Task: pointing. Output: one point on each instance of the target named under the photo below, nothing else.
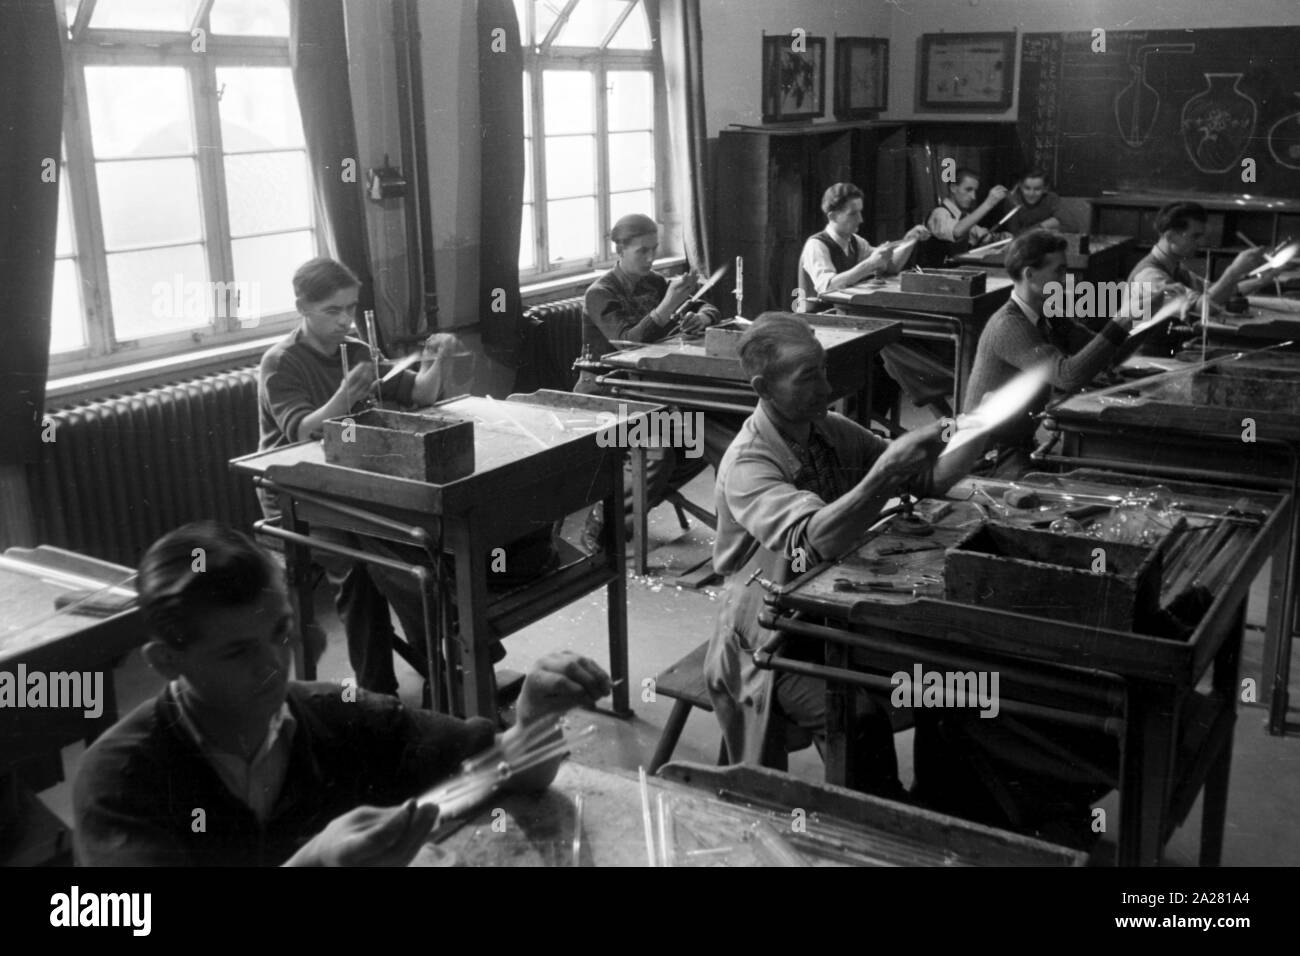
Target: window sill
(88, 386)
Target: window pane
(259, 109)
(139, 111)
(631, 100)
(545, 13)
(148, 202)
(634, 34)
(570, 166)
(631, 160)
(521, 14)
(143, 14)
(67, 330)
(63, 242)
(528, 106)
(623, 204)
(266, 264)
(260, 18)
(159, 290)
(268, 192)
(567, 101)
(571, 224)
(528, 170)
(527, 256)
(590, 21)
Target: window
(185, 196)
(593, 95)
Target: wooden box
(428, 447)
(1259, 388)
(968, 282)
(723, 341)
(1044, 574)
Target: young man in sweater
(235, 765)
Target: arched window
(187, 197)
(593, 102)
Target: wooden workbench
(538, 458)
(930, 317)
(714, 812)
(1174, 741)
(1103, 262)
(1190, 424)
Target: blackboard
(1163, 109)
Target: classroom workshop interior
(669, 433)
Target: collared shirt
(620, 306)
(256, 781)
(943, 220)
(815, 260)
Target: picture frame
(794, 80)
(861, 77)
(967, 71)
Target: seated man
(799, 485)
(955, 222)
(1019, 336)
(234, 764)
(837, 257)
(300, 385)
(1031, 205)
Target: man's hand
(1246, 262)
(912, 454)
(680, 288)
(357, 385)
(979, 234)
(695, 322)
(558, 682)
(370, 836)
(919, 233)
(996, 195)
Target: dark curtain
(680, 42)
(501, 137)
(31, 126)
(318, 53)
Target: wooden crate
(1272, 389)
(428, 447)
(1051, 575)
(944, 282)
(723, 341)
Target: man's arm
(1017, 342)
(817, 263)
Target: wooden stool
(684, 683)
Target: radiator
(555, 341)
(123, 471)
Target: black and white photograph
(549, 433)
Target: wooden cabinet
(1264, 221)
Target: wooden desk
(1189, 425)
(538, 458)
(953, 318)
(1103, 262)
(1268, 320)
(35, 636)
(679, 372)
(1173, 740)
(539, 828)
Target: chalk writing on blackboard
(1138, 104)
(1217, 123)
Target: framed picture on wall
(794, 78)
(861, 77)
(967, 71)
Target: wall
(450, 68)
(733, 47)
(911, 18)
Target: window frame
(84, 47)
(599, 62)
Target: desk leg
(616, 590)
(1146, 764)
(1277, 660)
(962, 364)
(474, 637)
(1214, 806)
(297, 563)
(640, 511)
(840, 719)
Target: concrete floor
(666, 622)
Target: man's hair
(318, 279)
(762, 346)
(839, 196)
(198, 567)
(1031, 249)
(1178, 215)
(1034, 173)
(631, 227)
(963, 173)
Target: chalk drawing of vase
(1138, 105)
(1217, 123)
(1284, 140)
